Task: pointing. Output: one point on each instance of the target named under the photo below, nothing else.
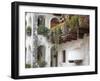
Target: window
(64, 56)
(54, 22)
(41, 20)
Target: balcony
(66, 35)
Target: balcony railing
(69, 35)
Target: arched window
(54, 22)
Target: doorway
(54, 57)
(41, 56)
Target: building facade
(40, 52)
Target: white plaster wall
(43, 41)
(83, 54)
(29, 39)
(86, 52)
(82, 44)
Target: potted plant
(42, 30)
(28, 31)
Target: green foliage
(42, 30)
(42, 63)
(73, 21)
(27, 65)
(28, 31)
(58, 31)
(55, 35)
(77, 20)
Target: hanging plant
(56, 34)
(42, 30)
(28, 31)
